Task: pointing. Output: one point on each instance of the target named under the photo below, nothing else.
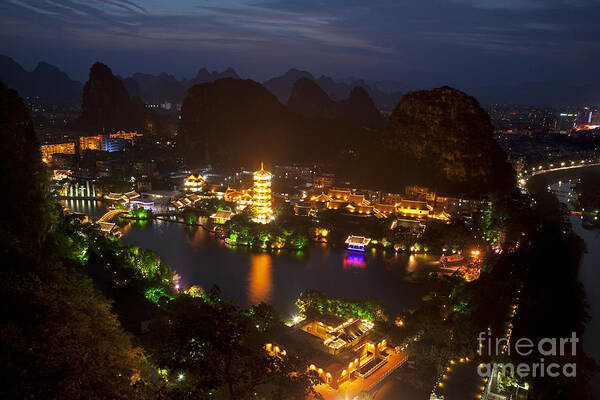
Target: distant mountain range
(166, 88)
(50, 83)
(281, 86)
(308, 99)
(45, 81)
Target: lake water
(248, 277)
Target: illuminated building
(261, 196)
(131, 136)
(186, 201)
(566, 121)
(345, 348)
(221, 216)
(385, 209)
(193, 183)
(322, 198)
(60, 174)
(413, 208)
(90, 143)
(340, 194)
(113, 144)
(56, 148)
(242, 198)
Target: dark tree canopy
(58, 337)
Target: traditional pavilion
(261, 196)
(194, 183)
(221, 216)
(357, 243)
(338, 349)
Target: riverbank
(589, 275)
(560, 184)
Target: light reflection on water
(354, 260)
(92, 208)
(259, 279)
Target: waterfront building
(261, 196)
(221, 216)
(123, 197)
(341, 349)
(145, 204)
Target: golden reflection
(259, 279)
(196, 238)
(125, 228)
(412, 263)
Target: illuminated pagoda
(261, 196)
(193, 183)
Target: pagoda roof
(222, 214)
(323, 198)
(262, 172)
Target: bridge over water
(111, 214)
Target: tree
(210, 348)
(58, 337)
(265, 317)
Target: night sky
(417, 42)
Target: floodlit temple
(194, 183)
(339, 349)
(261, 196)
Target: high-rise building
(48, 150)
(589, 118)
(566, 122)
(261, 196)
(90, 143)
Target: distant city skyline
(419, 43)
